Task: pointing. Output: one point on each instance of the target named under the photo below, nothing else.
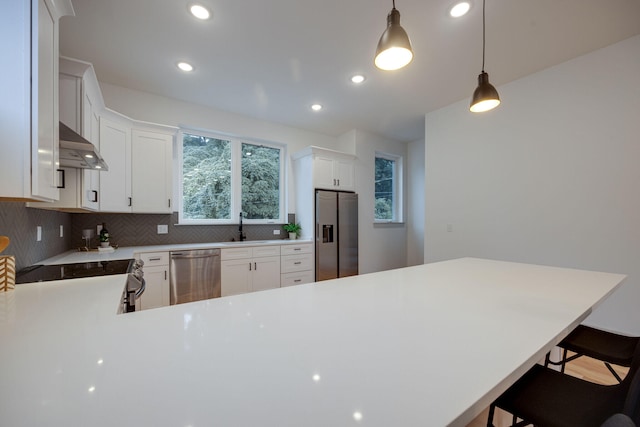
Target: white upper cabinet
(115, 148)
(80, 102)
(151, 171)
(331, 170)
(140, 164)
(29, 101)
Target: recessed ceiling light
(185, 66)
(460, 9)
(199, 11)
(316, 107)
(358, 78)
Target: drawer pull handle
(297, 263)
(297, 249)
(297, 280)
(154, 259)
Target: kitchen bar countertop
(71, 257)
(430, 345)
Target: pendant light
(485, 97)
(394, 48)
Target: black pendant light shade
(485, 97)
(394, 48)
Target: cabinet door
(91, 131)
(44, 102)
(344, 173)
(235, 276)
(151, 161)
(266, 273)
(115, 184)
(323, 173)
(156, 293)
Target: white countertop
(73, 256)
(430, 345)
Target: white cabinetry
(156, 276)
(249, 269)
(80, 103)
(333, 173)
(296, 264)
(330, 170)
(29, 101)
(115, 148)
(151, 165)
(140, 167)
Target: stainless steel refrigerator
(336, 234)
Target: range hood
(77, 152)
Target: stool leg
(492, 410)
(564, 360)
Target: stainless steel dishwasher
(195, 275)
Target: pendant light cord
(483, 31)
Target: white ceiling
(271, 59)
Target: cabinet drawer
(292, 263)
(235, 253)
(303, 248)
(249, 252)
(298, 278)
(151, 259)
(260, 251)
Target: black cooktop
(45, 273)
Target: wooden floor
(583, 367)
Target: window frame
(397, 186)
(236, 178)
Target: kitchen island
(430, 345)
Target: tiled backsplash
(142, 229)
(20, 224)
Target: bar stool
(608, 347)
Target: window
(206, 178)
(260, 181)
(221, 176)
(387, 188)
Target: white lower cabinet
(296, 264)
(156, 276)
(250, 269)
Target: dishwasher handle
(186, 255)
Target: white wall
(415, 202)
(550, 177)
(148, 107)
(381, 246)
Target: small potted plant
(104, 236)
(293, 230)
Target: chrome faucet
(241, 234)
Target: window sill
(383, 224)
